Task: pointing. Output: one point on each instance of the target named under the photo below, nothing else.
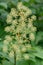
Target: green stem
(14, 57)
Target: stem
(14, 57)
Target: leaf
(39, 37)
(39, 52)
(6, 57)
(38, 61)
(5, 62)
(3, 5)
(22, 62)
(32, 58)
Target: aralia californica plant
(20, 33)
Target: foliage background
(37, 8)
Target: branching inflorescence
(20, 31)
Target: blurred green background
(37, 8)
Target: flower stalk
(14, 57)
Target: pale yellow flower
(28, 46)
(5, 42)
(23, 49)
(29, 12)
(15, 46)
(33, 29)
(8, 38)
(11, 54)
(30, 25)
(14, 22)
(26, 56)
(13, 12)
(7, 29)
(12, 28)
(19, 5)
(30, 20)
(9, 19)
(18, 57)
(33, 17)
(5, 48)
(32, 36)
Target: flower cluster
(21, 31)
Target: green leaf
(39, 52)
(22, 62)
(5, 62)
(3, 5)
(39, 37)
